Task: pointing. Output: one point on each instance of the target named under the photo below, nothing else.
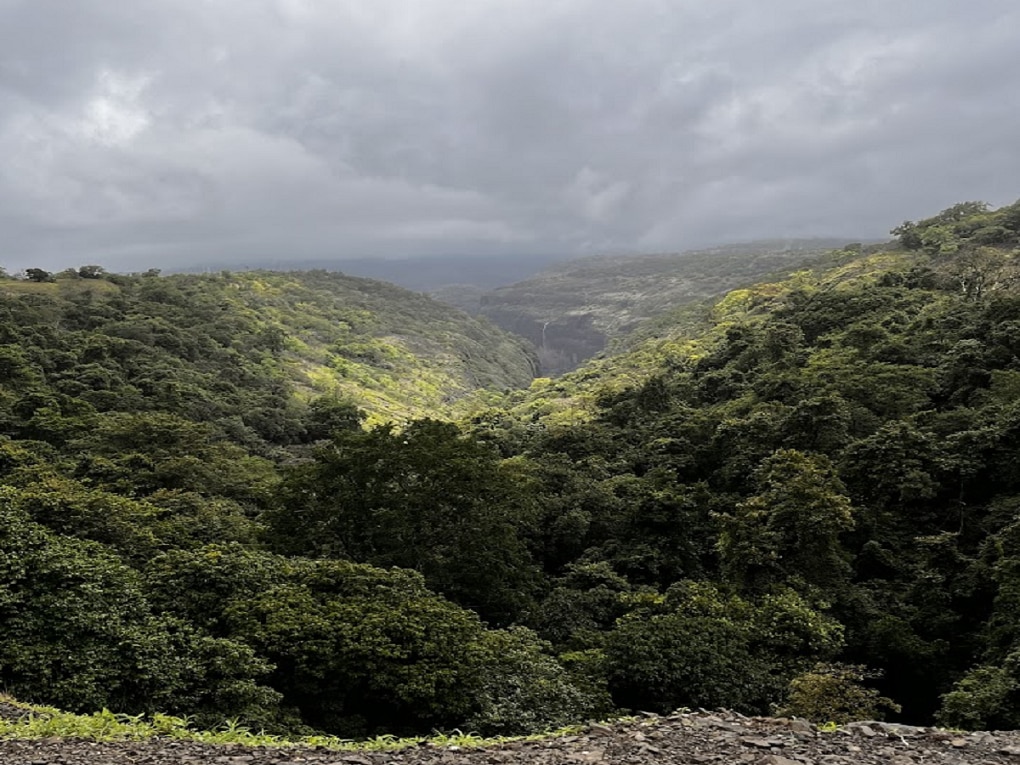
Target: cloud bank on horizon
(162, 132)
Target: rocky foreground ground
(689, 738)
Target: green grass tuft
(47, 722)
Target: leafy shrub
(79, 633)
(702, 648)
(987, 697)
(522, 689)
(836, 693)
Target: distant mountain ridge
(422, 274)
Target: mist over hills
(420, 274)
(354, 380)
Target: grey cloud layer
(133, 133)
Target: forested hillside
(242, 344)
(801, 497)
(844, 441)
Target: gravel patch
(698, 738)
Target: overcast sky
(138, 133)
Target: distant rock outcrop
(571, 311)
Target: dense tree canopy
(802, 490)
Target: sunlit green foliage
(963, 224)
(49, 722)
(231, 350)
(844, 432)
(576, 308)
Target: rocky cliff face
(562, 343)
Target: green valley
(320, 505)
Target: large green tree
(788, 533)
(424, 498)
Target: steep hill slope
(968, 247)
(659, 343)
(395, 353)
(572, 310)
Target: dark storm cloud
(160, 131)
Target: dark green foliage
(583, 604)
(38, 275)
(78, 632)
(519, 687)
(963, 224)
(327, 415)
(361, 650)
(789, 532)
(144, 418)
(700, 648)
(986, 698)
(850, 434)
(423, 498)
